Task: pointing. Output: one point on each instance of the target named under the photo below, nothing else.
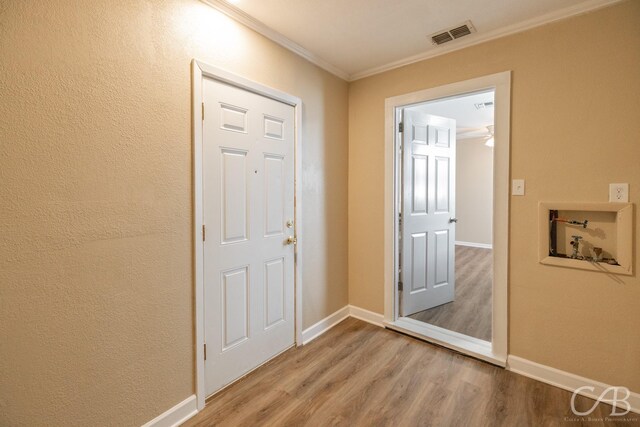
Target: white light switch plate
(517, 187)
(619, 193)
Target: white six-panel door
(248, 211)
(428, 211)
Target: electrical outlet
(517, 187)
(619, 193)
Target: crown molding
(259, 27)
(477, 38)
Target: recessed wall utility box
(603, 232)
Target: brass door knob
(291, 240)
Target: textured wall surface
(474, 191)
(574, 129)
(96, 284)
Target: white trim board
(564, 380)
(319, 328)
(475, 245)
(477, 38)
(176, 415)
(199, 71)
(260, 28)
(366, 315)
(501, 83)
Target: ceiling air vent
(482, 105)
(453, 33)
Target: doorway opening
(446, 200)
(446, 255)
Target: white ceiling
(355, 38)
(470, 121)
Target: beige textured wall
(474, 191)
(574, 130)
(96, 284)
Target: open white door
(248, 211)
(428, 211)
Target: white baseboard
(176, 415)
(475, 245)
(366, 315)
(314, 331)
(565, 380)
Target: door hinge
(205, 352)
(204, 233)
(400, 286)
(400, 127)
(203, 111)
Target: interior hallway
(470, 313)
(358, 374)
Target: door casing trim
(199, 70)
(501, 83)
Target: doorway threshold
(461, 343)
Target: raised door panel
(419, 133)
(233, 118)
(441, 252)
(274, 272)
(419, 188)
(235, 307)
(442, 184)
(418, 262)
(234, 215)
(273, 128)
(274, 204)
(439, 136)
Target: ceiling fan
(482, 132)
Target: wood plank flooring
(358, 374)
(470, 313)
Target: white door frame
(496, 352)
(199, 71)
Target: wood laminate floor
(470, 312)
(358, 374)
